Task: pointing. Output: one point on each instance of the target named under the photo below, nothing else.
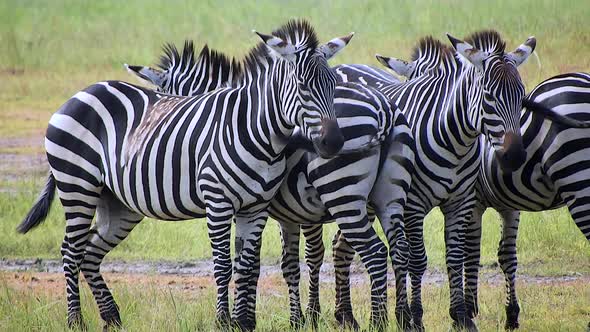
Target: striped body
(448, 108)
(554, 139)
(555, 174)
(317, 190)
(123, 152)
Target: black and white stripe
(553, 137)
(123, 152)
(475, 91)
(315, 187)
(555, 174)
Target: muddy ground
(200, 273)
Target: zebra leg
(361, 236)
(472, 259)
(113, 223)
(579, 207)
(413, 219)
(219, 232)
(247, 268)
(393, 227)
(291, 272)
(508, 262)
(456, 216)
(79, 207)
(343, 255)
(314, 257)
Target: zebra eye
(303, 87)
(489, 97)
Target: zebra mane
(487, 41)
(297, 32)
(431, 48)
(187, 59)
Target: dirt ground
(46, 275)
(21, 159)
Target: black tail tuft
(40, 210)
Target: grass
(549, 243)
(51, 49)
(152, 305)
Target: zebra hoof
(297, 321)
(244, 324)
(464, 325)
(112, 319)
(76, 322)
(313, 315)
(345, 320)
(404, 318)
(418, 326)
(417, 314)
(471, 308)
(379, 322)
(512, 312)
(223, 321)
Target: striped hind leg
(508, 263)
(343, 254)
(360, 238)
(393, 227)
(290, 268)
(249, 230)
(457, 213)
(472, 259)
(219, 231)
(79, 205)
(413, 219)
(114, 221)
(314, 258)
(579, 207)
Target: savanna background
(49, 50)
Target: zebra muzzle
(331, 141)
(513, 155)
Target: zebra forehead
(502, 71)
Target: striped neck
(269, 94)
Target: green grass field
(148, 304)
(52, 49)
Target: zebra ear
(280, 46)
(148, 74)
(400, 67)
(471, 53)
(523, 51)
(334, 46)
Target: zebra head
(312, 84)
(426, 56)
(185, 74)
(497, 92)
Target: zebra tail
(40, 209)
(551, 114)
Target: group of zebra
(284, 134)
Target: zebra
(314, 187)
(475, 90)
(123, 152)
(554, 144)
(554, 175)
